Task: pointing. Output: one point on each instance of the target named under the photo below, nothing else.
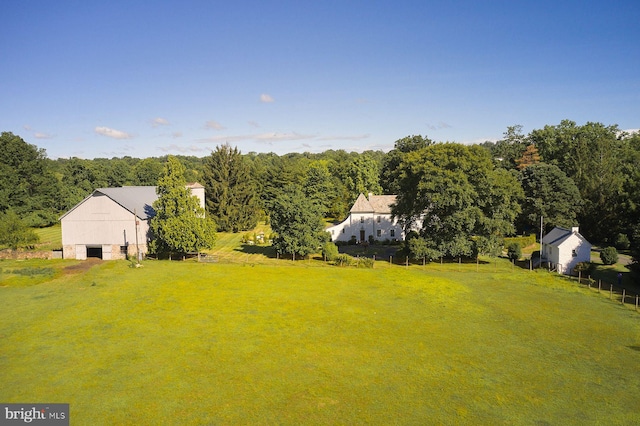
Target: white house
(112, 223)
(564, 248)
(369, 219)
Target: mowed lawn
(188, 343)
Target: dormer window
(361, 219)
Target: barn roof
(136, 199)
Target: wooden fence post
(610, 291)
(599, 285)
(636, 302)
(406, 261)
(390, 259)
(624, 290)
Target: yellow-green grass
(50, 237)
(190, 343)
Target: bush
(609, 256)
(514, 251)
(524, 241)
(622, 242)
(364, 262)
(329, 251)
(586, 267)
(343, 260)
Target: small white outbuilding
(563, 249)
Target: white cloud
(275, 137)
(178, 148)
(212, 124)
(39, 135)
(266, 98)
(344, 138)
(112, 133)
(439, 126)
(264, 138)
(159, 121)
(176, 135)
(253, 124)
(27, 127)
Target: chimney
(370, 195)
(574, 229)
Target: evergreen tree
(231, 192)
(180, 224)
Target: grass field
(276, 343)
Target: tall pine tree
(230, 190)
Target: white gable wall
(101, 222)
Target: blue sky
(149, 78)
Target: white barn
(112, 223)
(564, 248)
(369, 219)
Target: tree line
(464, 198)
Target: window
(123, 250)
(574, 253)
(343, 230)
(393, 233)
(361, 219)
(378, 221)
(379, 232)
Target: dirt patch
(83, 266)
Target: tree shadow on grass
(266, 251)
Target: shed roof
(559, 235)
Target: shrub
(514, 251)
(586, 267)
(329, 251)
(364, 262)
(609, 255)
(622, 242)
(343, 260)
(524, 241)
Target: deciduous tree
(180, 224)
(297, 222)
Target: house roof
(362, 205)
(375, 204)
(559, 235)
(382, 203)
